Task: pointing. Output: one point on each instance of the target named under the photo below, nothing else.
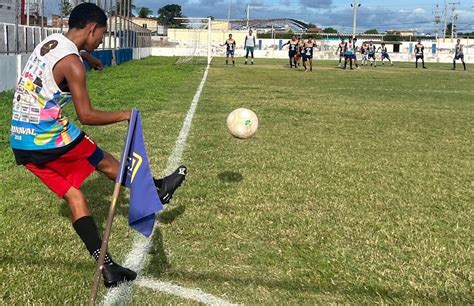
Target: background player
(230, 48)
(371, 50)
(292, 50)
(249, 45)
(384, 52)
(340, 50)
(459, 54)
(308, 53)
(348, 53)
(419, 54)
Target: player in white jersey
(54, 148)
(384, 52)
(459, 54)
(249, 45)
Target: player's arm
(93, 61)
(71, 69)
(285, 44)
(245, 41)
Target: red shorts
(69, 170)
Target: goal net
(192, 40)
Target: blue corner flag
(135, 174)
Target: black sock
(87, 229)
(226, 62)
(464, 64)
(233, 62)
(454, 64)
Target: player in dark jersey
(308, 53)
(292, 50)
(459, 54)
(230, 48)
(340, 50)
(384, 52)
(371, 50)
(419, 54)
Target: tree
(66, 8)
(144, 12)
(212, 17)
(329, 30)
(448, 29)
(371, 31)
(167, 14)
(312, 25)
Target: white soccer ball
(242, 123)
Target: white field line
(185, 293)
(137, 257)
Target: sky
(379, 14)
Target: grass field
(357, 188)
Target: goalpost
(193, 40)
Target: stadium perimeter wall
(182, 42)
(11, 66)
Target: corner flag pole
(112, 209)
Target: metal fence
(121, 33)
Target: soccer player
(459, 54)
(363, 51)
(419, 54)
(371, 50)
(249, 45)
(300, 53)
(292, 50)
(308, 53)
(354, 56)
(348, 53)
(53, 148)
(385, 54)
(230, 47)
(340, 50)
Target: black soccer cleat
(168, 185)
(115, 274)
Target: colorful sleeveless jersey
(459, 49)
(37, 121)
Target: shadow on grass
(350, 291)
(169, 215)
(159, 258)
(44, 262)
(98, 192)
(230, 177)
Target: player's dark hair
(86, 13)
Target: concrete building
(7, 11)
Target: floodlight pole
(354, 10)
(248, 15)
